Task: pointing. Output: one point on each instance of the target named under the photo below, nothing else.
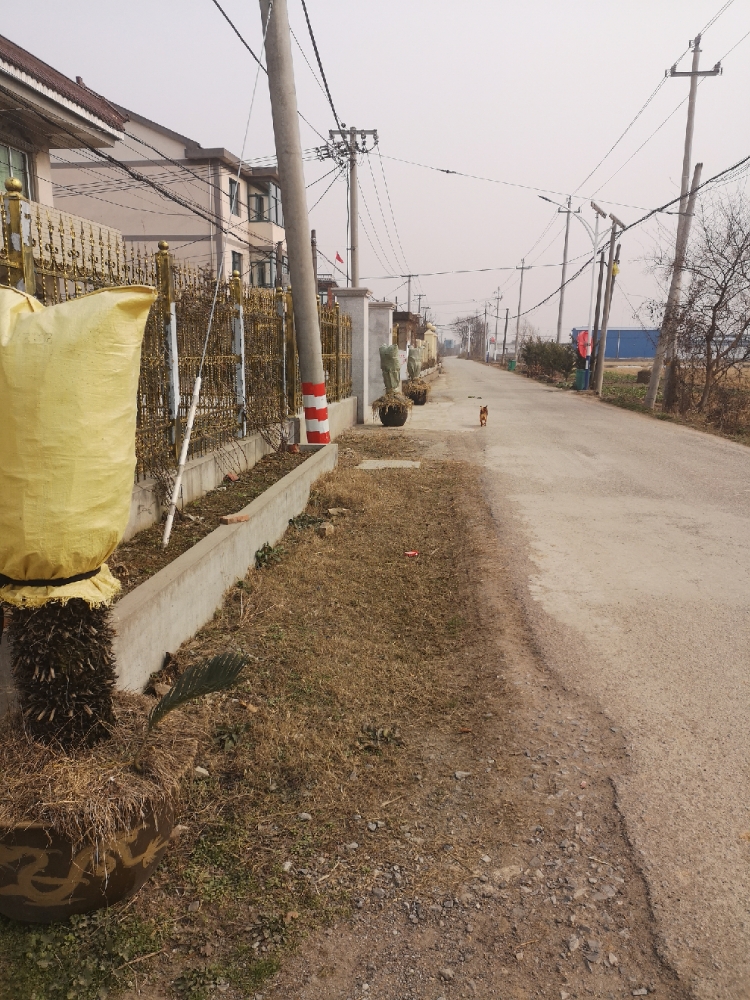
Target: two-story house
(42, 111)
(160, 185)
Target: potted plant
(416, 389)
(393, 407)
(88, 788)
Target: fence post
(238, 348)
(165, 284)
(19, 247)
(338, 352)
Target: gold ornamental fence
(251, 371)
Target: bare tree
(713, 331)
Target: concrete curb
(165, 611)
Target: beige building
(160, 185)
(42, 111)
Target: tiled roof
(74, 91)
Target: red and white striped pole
(294, 197)
(316, 413)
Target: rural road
(633, 558)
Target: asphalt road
(633, 559)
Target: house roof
(73, 90)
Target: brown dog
(483, 411)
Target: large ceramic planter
(42, 878)
(393, 416)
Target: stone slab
(388, 463)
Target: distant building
(326, 285)
(409, 326)
(626, 342)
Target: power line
(375, 232)
(495, 180)
(237, 33)
(338, 175)
(320, 64)
(390, 205)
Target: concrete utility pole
(420, 296)
(567, 211)
(350, 145)
(611, 271)
(408, 295)
(314, 249)
(668, 334)
(292, 178)
(505, 332)
(518, 314)
(673, 298)
(593, 338)
(497, 318)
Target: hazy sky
(534, 94)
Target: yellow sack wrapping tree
(68, 400)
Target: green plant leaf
(216, 674)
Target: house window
(275, 213)
(13, 163)
(237, 264)
(260, 275)
(234, 197)
(255, 207)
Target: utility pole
(683, 223)
(518, 314)
(420, 296)
(486, 351)
(347, 147)
(599, 374)
(567, 211)
(408, 295)
(668, 343)
(292, 178)
(497, 318)
(600, 214)
(314, 249)
(593, 348)
(505, 332)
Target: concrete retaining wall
(206, 473)
(160, 614)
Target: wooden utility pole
(292, 178)
(673, 298)
(518, 313)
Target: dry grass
(356, 645)
(94, 794)
(134, 561)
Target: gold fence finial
(13, 185)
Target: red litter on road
(412, 555)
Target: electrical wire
(340, 171)
(390, 206)
(375, 232)
(495, 180)
(320, 64)
(237, 32)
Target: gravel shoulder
(510, 873)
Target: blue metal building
(626, 342)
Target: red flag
(339, 258)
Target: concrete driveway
(633, 559)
